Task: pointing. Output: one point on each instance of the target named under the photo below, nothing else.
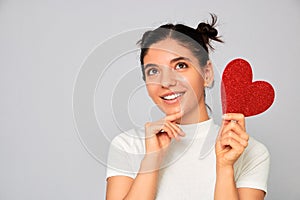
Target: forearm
(145, 183)
(225, 188)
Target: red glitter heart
(240, 95)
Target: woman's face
(175, 81)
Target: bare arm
(117, 187)
(250, 193)
(225, 185)
(226, 189)
(142, 187)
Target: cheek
(197, 85)
(152, 90)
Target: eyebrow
(180, 58)
(172, 61)
(150, 65)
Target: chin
(170, 110)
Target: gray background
(43, 45)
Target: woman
(177, 69)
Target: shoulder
(132, 141)
(256, 149)
(252, 168)
(125, 153)
(255, 156)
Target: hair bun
(207, 29)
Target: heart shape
(240, 95)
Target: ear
(208, 73)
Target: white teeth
(172, 96)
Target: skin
(172, 68)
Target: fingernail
(181, 133)
(224, 116)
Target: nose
(168, 78)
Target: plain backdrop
(44, 46)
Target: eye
(152, 71)
(181, 65)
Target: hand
(160, 133)
(232, 139)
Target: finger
(164, 140)
(221, 129)
(168, 130)
(174, 116)
(235, 145)
(173, 132)
(177, 129)
(231, 134)
(155, 128)
(238, 117)
(236, 128)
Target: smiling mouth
(172, 96)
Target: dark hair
(197, 40)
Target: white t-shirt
(189, 168)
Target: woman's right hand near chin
(160, 133)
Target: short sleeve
(253, 168)
(124, 156)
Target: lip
(172, 101)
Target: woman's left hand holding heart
(232, 140)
